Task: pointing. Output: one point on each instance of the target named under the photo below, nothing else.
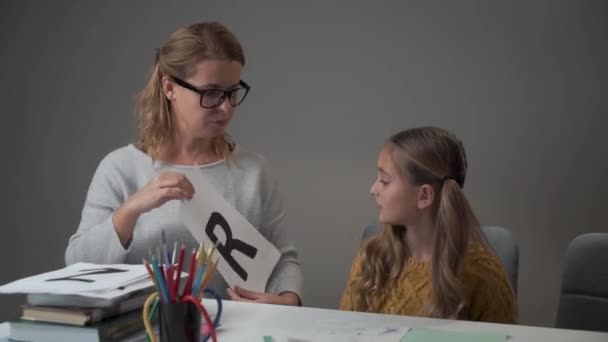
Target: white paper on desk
(361, 335)
(82, 278)
(246, 257)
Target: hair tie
(445, 178)
(157, 57)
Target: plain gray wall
(523, 83)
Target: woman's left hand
(242, 295)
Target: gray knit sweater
(244, 181)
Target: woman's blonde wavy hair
(424, 155)
(178, 57)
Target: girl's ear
(426, 196)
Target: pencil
(208, 274)
(150, 273)
(188, 288)
(178, 276)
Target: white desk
(251, 322)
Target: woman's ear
(168, 88)
(426, 196)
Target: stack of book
(82, 302)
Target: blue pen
(161, 281)
(199, 278)
(155, 271)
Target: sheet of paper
(119, 292)
(431, 335)
(246, 258)
(82, 278)
(355, 330)
(359, 335)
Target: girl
(431, 258)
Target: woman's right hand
(162, 188)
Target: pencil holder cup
(179, 322)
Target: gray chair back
(500, 239)
(583, 303)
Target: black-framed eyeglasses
(213, 97)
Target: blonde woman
(431, 258)
(183, 113)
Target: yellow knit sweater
(491, 297)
